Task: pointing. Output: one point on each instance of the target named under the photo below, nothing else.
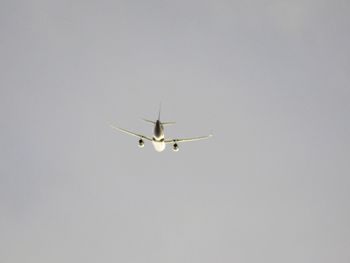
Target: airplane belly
(158, 146)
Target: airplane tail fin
(165, 122)
(160, 108)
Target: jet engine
(176, 147)
(141, 143)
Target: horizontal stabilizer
(149, 121)
(168, 122)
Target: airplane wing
(188, 139)
(131, 133)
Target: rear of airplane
(164, 123)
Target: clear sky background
(270, 79)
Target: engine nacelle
(176, 147)
(141, 143)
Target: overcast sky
(270, 79)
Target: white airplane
(158, 140)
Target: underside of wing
(130, 133)
(188, 139)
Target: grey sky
(269, 78)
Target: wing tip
(110, 124)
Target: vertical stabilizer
(160, 108)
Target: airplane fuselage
(158, 137)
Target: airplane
(158, 140)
